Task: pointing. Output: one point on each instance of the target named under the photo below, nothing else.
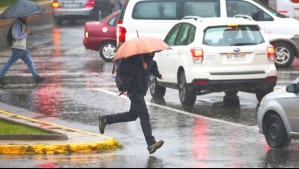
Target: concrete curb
(109, 144)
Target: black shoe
(102, 124)
(2, 82)
(153, 148)
(40, 79)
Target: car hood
(281, 93)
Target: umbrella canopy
(22, 8)
(140, 45)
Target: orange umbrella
(140, 45)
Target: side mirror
(257, 15)
(292, 88)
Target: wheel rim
(282, 55)
(109, 51)
(273, 128)
(182, 88)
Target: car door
(165, 58)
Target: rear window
(233, 36)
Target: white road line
(179, 111)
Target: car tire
(107, 50)
(57, 20)
(156, 91)
(231, 92)
(275, 132)
(284, 54)
(260, 93)
(187, 97)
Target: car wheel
(284, 55)
(107, 50)
(187, 97)
(260, 93)
(57, 20)
(275, 132)
(231, 92)
(156, 90)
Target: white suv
(215, 55)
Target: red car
(101, 36)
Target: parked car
(278, 116)
(156, 17)
(75, 9)
(214, 55)
(101, 36)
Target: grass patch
(6, 3)
(7, 127)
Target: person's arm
(18, 32)
(154, 69)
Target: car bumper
(72, 12)
(221, 85)
(91, 44)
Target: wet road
(217, 132)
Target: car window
(203, 8)
(183, 35)
(172, 35)
(191, 34)
(155, 10)
(233, 36)
(113, 20)
(242, 7)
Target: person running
(19, 49)
(141, 66)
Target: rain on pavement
(218, 132)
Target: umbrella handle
(137, 33)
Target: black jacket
(140, 75)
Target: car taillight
(90, 4)
(271, 79)
(295, 1)
(197, 54)
(201, 82)
(120, 21)
(271, 53)
(55, 4)
(122, 34)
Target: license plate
(71, 5)
(236, 57)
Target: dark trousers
(138, 109)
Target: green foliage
(7, 127)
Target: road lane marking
(179, 111)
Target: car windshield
(233, 36)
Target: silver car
(278, 116)
(75, 9)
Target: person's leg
(131, 115)
(28, 60)
(15, 55)
(140, 107)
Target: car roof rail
(243, 16)
(196, 18)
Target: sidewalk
(78, 141)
